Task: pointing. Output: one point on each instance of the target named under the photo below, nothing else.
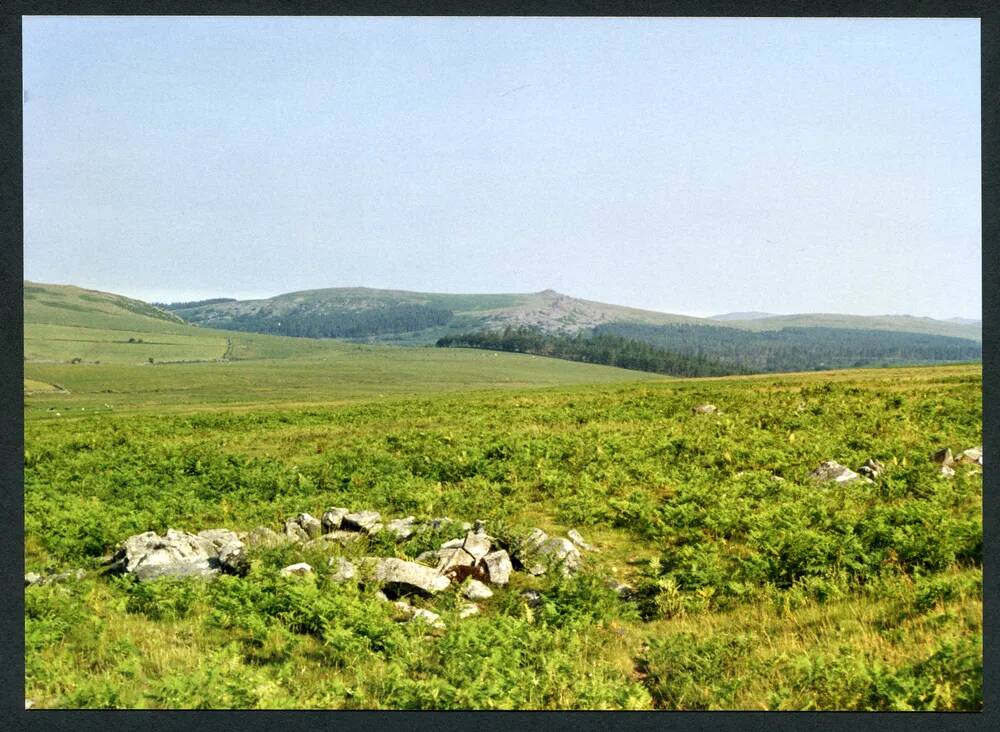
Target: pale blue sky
(685, 165)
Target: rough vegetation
(725, 575)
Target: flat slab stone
(332, 517)
(296, 570)
(497, 567)
(262, 536)
(403, 528)
(343, 570)
(830, 471)
(476, 590)
(402, 577)
(476, 545)
(419, 614)
(176, 554)
(369, 522)
(972, 455)
(577, 539)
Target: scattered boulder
(830, 471)
(233, 558)
(468, 609)
(331, 519)
(370, 522)
(296, 570)
(343, 571)
(310, 524)
(230, 551)
(621, 589)
(403, 529)
(477, 545)
(972, 455)
(29, 703)
(561, 552)
(476, 590)
(33, 578)
(497, 567)
(455, 562)
(872, 469)
(705, 409)
(529, 544)
(947, 471)
(453, 544)
(944, 457)
(537, 552)
(262, 536)
(401, 577)
(575, 537)
(417, 613)
(294, 531)
(177, 554)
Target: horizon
(172, 300)
(679, 165)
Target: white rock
(368, 521)
(343, 570)
(497, 567)
(972, 455)
(294, 531)
(332, 517)
(310, 524)
(575, 537)
(468, 609)
(403, 529)
(297, 570)
(177, 554)
(416, 613)
(477, 545)
(476, 590)
(400, 576)
(830, 471)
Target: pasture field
(754, 587)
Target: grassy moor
(720, 574)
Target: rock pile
(946, 459)
(830, 471)
(180, 554)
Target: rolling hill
(96, 350)
(420, 318)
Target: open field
(754, 587)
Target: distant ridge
(751, 315)
(420, 318)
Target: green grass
(754, 588)
(751, 592)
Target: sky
(695, 166)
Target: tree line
(797, 348)
(606, 349)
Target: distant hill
(751, 315)
(412, 317)
(420, 318)
(897, 323)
